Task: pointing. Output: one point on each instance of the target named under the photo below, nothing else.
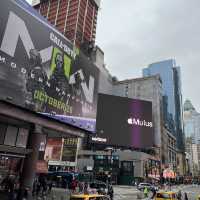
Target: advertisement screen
(124, 122)
(42, 71)
(69, 149)
(53, 149)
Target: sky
(135, 33)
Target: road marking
(119, 197)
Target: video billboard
(42, 71)
(125, 122)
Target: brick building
(76, 19)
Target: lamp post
(111, 150)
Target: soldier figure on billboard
(36, 80)
(59, 83)
(77, 95)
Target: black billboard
(125, 122)
(42, 71)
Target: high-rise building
(191, 122)
(76, 19)
(172, 97)
(193, 150)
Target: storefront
(22, 134)
(13, 146)
(48, 90)
(61, 154)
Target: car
(89, 197)
(166, 195)
(149, 186)
(100, 186)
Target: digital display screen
(122, 121)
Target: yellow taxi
(165, 195)
(88, 197)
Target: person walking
(85, 189)
(179, 195)
(185, 196)
(80, 186)
(110, 191)
(153, 192)
(73, 185)
(146, 192)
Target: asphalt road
(130, 192)
(193, 191)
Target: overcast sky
(135, 33)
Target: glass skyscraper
(191, 122)
(172, 97)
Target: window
(11, 135)
(127, 167)
(163, 196)
(22, 138)
(3, 128)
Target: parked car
(149, 186)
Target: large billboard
(124, 122)
(42, 71)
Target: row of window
(13, 136)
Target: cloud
(135, 33)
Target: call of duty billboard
(125, 122)
(41, 70)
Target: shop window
(3, 128)
(11, 136)
(22, 138)
(127, 167)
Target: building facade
(125, 166)
(172, 96)
(75, 19)
(191, 122)
(24, 130)
(105, 78)
(192, 136)
(171, 151)
(149, 89)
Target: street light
(111, 149)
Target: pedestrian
(50, 185)
(5, 182)
(146, 192)
(186, 197)
(38, 188)
(85, 188)
(81, 187)
(11, 187)
(179, 195)
(34, 187)
(110, 191)
(153, 192)
(73, 185)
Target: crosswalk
(119, 197)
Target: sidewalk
(56, 194)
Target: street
(130, 192)
(125, 192)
